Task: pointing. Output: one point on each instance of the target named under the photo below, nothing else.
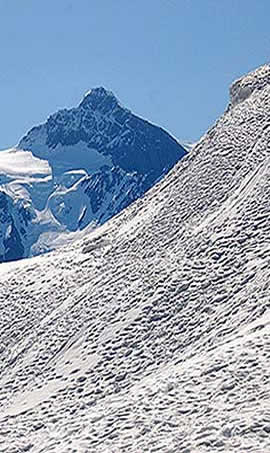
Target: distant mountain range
(77, 170)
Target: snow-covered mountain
(94, 161)
(152, 333)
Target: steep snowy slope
(152, 334)
(99, 156)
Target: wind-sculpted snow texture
(152, 334)
(98, 158)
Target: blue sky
(170, 61)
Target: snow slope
(152, 334)
(77, 170)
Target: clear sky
(170, 61)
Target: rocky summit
(77, 170)
(151, 334)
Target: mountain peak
(116, 155)
(98, 91)
(97, 97)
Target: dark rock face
(13, 245)
(122, 189)
(10, 237)
(3, 206)
(100, 122)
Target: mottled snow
(152, 334)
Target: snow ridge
(152, 332)
(242, 88)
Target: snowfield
(152, 334)
(22, 164)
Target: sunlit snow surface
(153, 334)
(22, 164)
